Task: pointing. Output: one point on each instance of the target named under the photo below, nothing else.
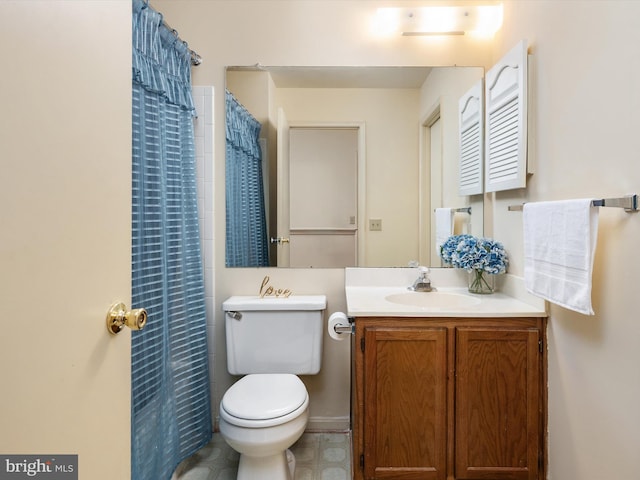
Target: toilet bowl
(270, 341)
(261, 416)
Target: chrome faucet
(423, 282)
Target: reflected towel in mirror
(444, 225)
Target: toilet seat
(264, 400)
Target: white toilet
(269, 340)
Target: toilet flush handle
(235, 315)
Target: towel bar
(628, 202)
(460, 210)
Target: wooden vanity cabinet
(448, 398)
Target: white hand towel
(444, 225)
(559, 246)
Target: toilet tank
(274, 334)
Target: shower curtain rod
(195, 58)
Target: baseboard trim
(328, 424)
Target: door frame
(426, 204)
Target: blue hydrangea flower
(472, 253)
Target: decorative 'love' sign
(267, 290)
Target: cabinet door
(497, 403)
(506, 122)
(471, 160)
(405, 390)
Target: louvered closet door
(471, 114)
(506, 122)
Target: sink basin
(432, 299)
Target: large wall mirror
(353, 163)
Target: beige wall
(586, 141)
(586, 96)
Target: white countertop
(366, 291)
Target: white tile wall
(203, 128)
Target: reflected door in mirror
(323, 197)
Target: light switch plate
(375, 224)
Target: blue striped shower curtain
(246, 238)
(171, 415)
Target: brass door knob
(118, 316)
(279, 240)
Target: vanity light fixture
(479, 20)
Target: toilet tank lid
(293, 302)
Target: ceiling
(344, 77)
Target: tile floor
(319, 456)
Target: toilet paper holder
(340, 326)
(344, 328)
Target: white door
(65, 202)
(323, 183)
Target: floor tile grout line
(225, 459)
